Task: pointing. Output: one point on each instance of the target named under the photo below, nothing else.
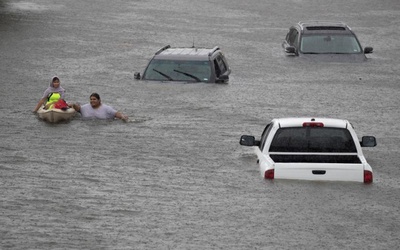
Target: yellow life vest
(53, 97)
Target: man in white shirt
(95, 109)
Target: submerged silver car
(324, 40)
(191, 64)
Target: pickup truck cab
(319, 149)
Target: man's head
(95, 101)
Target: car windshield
(329, 44)
(178, 70)
(313, 139)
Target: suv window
(292, 36)
(313, 139)
(220, 66)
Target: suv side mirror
(368, 50)
(368, 141)
(290, 50)
(222, 79)
(136, 75)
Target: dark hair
(95, 95)
(55, 79)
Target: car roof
(309, 27)
(298, 122)
(185, 53)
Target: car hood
(344, 58)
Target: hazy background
(175, 176)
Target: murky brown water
(175, 176)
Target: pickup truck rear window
(313, 140)
(348, 159)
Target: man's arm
(121, 116)
(75, 106)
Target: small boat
(55, 115)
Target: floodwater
(175, 176)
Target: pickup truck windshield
(313, 140)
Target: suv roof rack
(302, 24)
(162, 49)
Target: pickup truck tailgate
(320, 171)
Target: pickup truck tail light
(368, 178)
(313, 124)
(269, 174)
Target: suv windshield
(329, 44)
(313, 139)
(178, 70)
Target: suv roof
(321, 26)
(192, 53)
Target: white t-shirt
(102, 112)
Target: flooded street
(175, 176)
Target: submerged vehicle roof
(320, 27)
(192, 53)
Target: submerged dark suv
(324, 39)
(187, 65)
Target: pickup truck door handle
(319, 172)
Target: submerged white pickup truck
(319, 149)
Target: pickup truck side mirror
(248, 140)
(368, 141)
